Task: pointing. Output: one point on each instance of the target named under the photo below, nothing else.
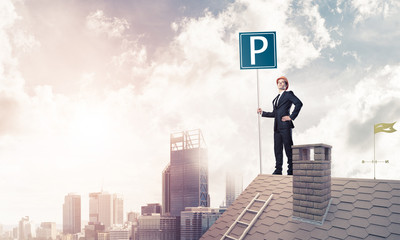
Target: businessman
(283, 123)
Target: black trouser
(283, 138)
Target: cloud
(112, 27)
(349, 127)
(371, 8)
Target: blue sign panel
(257, 50)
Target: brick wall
(311, 180)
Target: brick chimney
(311, 182)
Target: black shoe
(276, 172)
(289, 172)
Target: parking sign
(257, 50)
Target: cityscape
(184, 213)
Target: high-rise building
(151, 208)
(132, 216)
(166, 192)
(157, 227)
(195, 221)
(92, 230)
(72, 214)
(94, 207)
(15, 233)
(234, 186)
(46, 231)
(120, 234)
(104, 236)
(106, 208)
(185, 179)
(118, 208)
(25, 231)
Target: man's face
(281, 84)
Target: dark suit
(283, 130)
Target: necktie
(276, 100)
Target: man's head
(283, 83)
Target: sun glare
(90, 129)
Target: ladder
(249, 225)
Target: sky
(90, 92)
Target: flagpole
(374, 153)
(259, 126)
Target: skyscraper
(234, 186)
(120, 234)
(46, 231)
(118, 208)
(185, 179)
(94, 207)
(150, 209)
(72, 214)
(166, 192)
(25, 231)
(106, 208)
(158, 227)
(195, 221)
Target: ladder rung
(227, 236)
(250, 210)
(243, 223)
(260, 200)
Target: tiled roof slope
(360, 209)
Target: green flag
(384, 127)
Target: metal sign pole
(259, 126)
(258, 50)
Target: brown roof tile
(378, 231)
(357, 232)
(393, 236)
(380, 211)
(395, 208)
(363, 204)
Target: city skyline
(91, 90)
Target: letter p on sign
(257, 50)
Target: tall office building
(185, 179)
(106, 208)
(94, 207)
(72, 214)
(234, 186)
(151, 208)
(92, 230)
(166, 192)
(120, 234)
(132, 216)
(25, 231)
(118, 208)
(155, 226)
(195, 221)
(46, 231)
(103, 236)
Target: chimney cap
(314, 145)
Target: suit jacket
(283, 109)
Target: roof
(360, 209)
